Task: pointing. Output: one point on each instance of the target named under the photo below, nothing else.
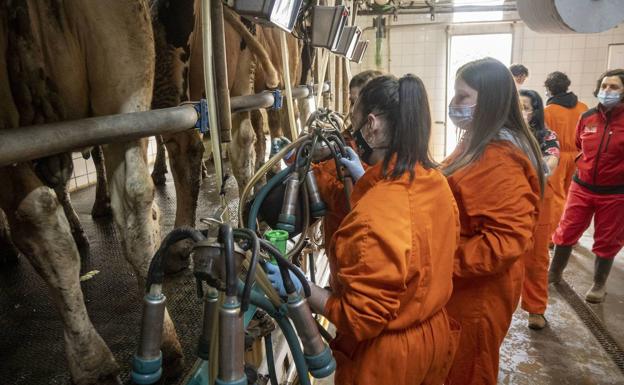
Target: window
(466, 48)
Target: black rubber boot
(559, 263)
(602, 267)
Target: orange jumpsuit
(392, 264)
(498, 199)
(563, 121)
(536, 261)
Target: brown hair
(498, 106)
(364, 77)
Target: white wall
(422, 51)
(583, 57)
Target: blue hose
(262, 194)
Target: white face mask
(609, 98)
(462, 116)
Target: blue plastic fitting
(318, 209)
(322, 365)
(146, 372)
(286, 222)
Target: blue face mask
(609, 99)
(461, 116)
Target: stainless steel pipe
(32, 142)
(22, 144)
(266, 99)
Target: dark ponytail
(405, 106)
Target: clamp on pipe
(202, 116)
(278, 100)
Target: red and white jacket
(600, 137)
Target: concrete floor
(566, 352)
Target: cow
(64, 60)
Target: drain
(593, 323)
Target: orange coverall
(498, 198)
(391, 265)
(535, 285)
(563, 121)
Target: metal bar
(32, 142)
(221, 75)
(422, 10)
(22, 144)
(266, 99)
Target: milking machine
(230, 283)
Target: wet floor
(31, 340)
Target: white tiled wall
(422, 50)
(583, 57)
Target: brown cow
(67, 60)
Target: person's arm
(501, 208)
(551, 150)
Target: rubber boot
(598, 291)
(559, 263)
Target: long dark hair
(536, 124)
(498, 106)
(405, 107)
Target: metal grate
(593, 323)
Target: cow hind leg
(101, 206)
(242, 150)
(78, 233)
(186, 152)
(160, 163)
(42, 232)
(56, 171)
(137, 217)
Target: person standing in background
(561, 114)
(497, 179)
(536, 261)
(597, 190)
(520, 74)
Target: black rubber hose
(155, 273)
(268, 347)
(312, 267)
(226, 238)
(281, 261)
(253, 262)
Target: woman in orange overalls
(392, 255)
(495, 174)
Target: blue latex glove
(353, 164)
(275, 277)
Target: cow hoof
(91, 363)
(101, 210)
(158, 177)
(178, 257)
